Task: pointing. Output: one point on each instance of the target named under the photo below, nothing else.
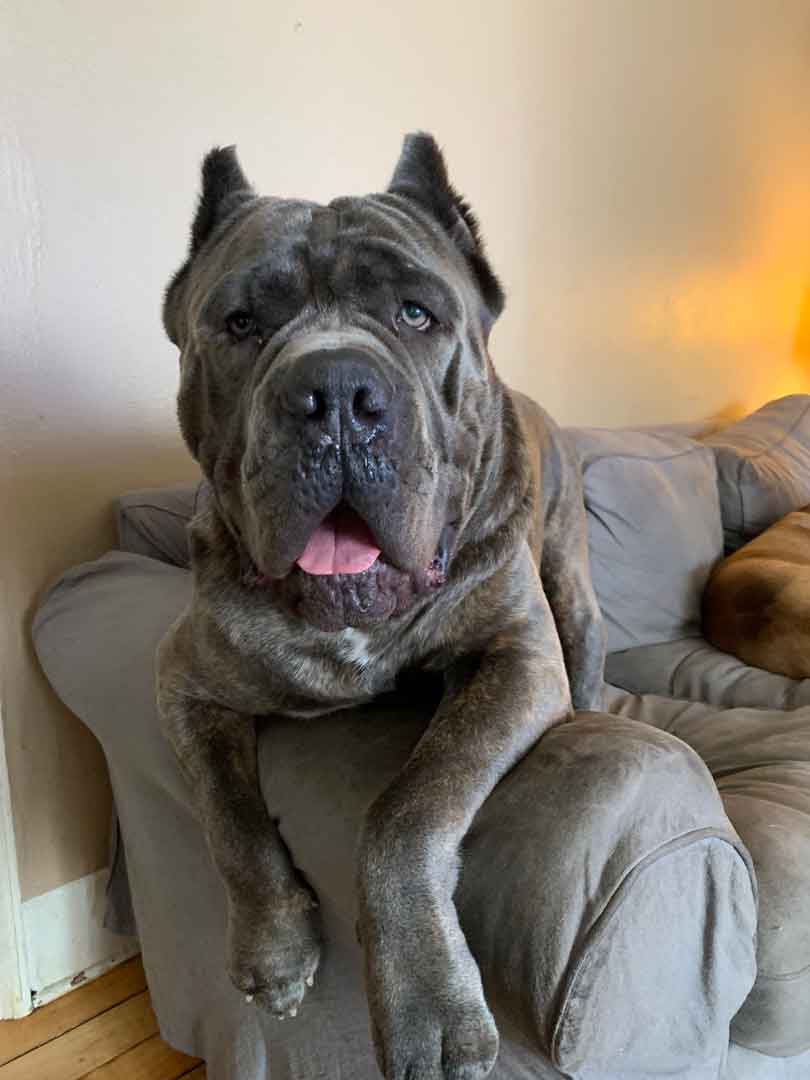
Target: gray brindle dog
(380, 502)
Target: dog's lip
(435, 573)
(259, 575)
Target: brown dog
(757, 603)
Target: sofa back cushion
(153, 521)
(654, 530)
(763, 467)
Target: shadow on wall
(72, 496)
(67, 502)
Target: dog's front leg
(273, 937)
(429, 1017)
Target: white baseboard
(15, 995)
(65, 941)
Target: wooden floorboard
(152, 1059)
(83, 1049)
(18, 1037)
(105, 1030)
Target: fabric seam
(698, 447)
(680, 664)
(791, 976)
(740, 496)
(766, 449)
(614, 905)
(159, 509)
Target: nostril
(331, 388)
(314, 405)
(367, 404)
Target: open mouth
(341, 544)
(342, 577)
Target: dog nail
(248, 998)
(310, 980)
(293, 1013)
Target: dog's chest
(276, 664)
(351, 662)
(354, 647)
(302, 675)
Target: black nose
(336, 387)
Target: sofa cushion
(763, 467)
(153, 521)
(694, 670)
(654, 530)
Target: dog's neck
(504, 502)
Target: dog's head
(335, 382)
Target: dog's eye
(415, 316)
(240, 325)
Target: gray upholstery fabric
(119, 916)
(694, 670)
(606, 895)
(654, 531)
(763, 467)
(760, 760)
(153, 521)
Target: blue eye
(415, 316)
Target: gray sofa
(636, 891)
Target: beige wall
(641, 169)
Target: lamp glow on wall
(802, 345)
(756, 302)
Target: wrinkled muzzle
(345, 509)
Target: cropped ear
(421, 176)
(224, 189)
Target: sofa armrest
(603, 891)
(693, 670)
(760, 759)
(607, 898)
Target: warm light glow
(760, 298)
(802, 344)
(760, 304)
(753, 304)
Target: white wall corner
(66, 943)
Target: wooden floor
(105, 1030)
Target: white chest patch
(354, 647)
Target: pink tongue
(342, 544)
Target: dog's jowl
(379, 500)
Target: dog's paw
(274, 951)
(433, 1041)
(429, 1018)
